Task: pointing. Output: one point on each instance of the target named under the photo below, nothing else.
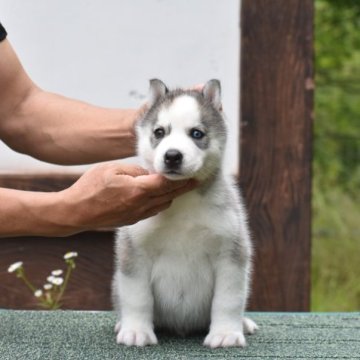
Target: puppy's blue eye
(159, 133)
(196, 134)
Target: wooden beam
(89, 286)
(37, 181)
(275, 147)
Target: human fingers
(156, 184)
(130, 169)
(160, 199)
(111, 168)
(152, 211)
(163, 202)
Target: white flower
(48, 286)
(50, 279)
(15, 266)
(70, 255)
(38, 293)
(55, 280)
(57, 272)
(58, 281)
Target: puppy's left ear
(156, 91)
(212, 92)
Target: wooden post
(275, 147)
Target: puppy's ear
(212, 92)
(156, 91)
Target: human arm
(107, 195)
(56, 129)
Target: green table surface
(89, 335)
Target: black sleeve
(3, 33)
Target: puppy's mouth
(175, 175)
(172, 172)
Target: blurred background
(336, 160)
(97, 52)
(106, 52)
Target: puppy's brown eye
(159, 133)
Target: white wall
(104, 52)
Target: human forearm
(71, 132)
(54, 128)
(32, 213)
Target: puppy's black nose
(173, 158)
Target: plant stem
(32, 288)
(63, 287)
(28, 283)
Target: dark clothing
(3, 33)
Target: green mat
(84, 335)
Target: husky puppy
(186, 269)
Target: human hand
(110, 195)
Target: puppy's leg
(231, 288)
(132, 294)
(136, 309)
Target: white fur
(184, 112)
(182, 115)
(184, 275)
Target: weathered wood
(275, 162)
(89, 286)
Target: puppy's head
(183, 133)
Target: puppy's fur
(186, 269)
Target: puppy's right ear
(156, 91)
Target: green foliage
(336, 166)
(337, 97)
(335, 265)
(337, 39)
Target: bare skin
(55, 129)
(107, 195)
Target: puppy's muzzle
(173, 159)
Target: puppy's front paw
(137, 337)
(225, 339)
(117, 327)
(249, 326)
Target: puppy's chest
(180, 247)
(183, 255)
(187, 230)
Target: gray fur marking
(154, 141)
(240, 254)
(211, 118)
(207, 184)
(202, 143)
(127, 254)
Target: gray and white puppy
(186, 269)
